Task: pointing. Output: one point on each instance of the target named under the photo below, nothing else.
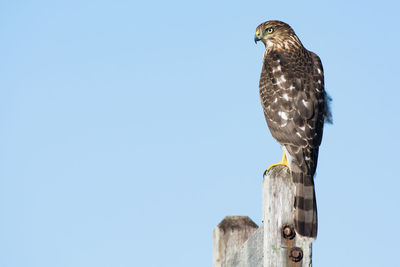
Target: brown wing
(292, 95)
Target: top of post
(236, 222)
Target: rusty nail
(296, 254)
(288, 232)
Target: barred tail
(305, 206)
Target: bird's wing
(292, 94)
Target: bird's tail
(305, 206)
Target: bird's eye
(269, 30)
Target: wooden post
(230, 234)
(282, 246)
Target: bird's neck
(281, 45)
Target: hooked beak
(256, 38)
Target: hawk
(295, 107)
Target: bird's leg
(283, 162)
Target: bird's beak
(256, 38)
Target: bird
(295, 106)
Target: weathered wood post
(275, 243)
(282, 246)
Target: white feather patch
(283, 115)
(288, 157)
(276, 69)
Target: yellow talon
(283, 162)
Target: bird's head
(276, 34)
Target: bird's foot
(283, 162)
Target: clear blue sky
(129, 129)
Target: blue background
(129, 129)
